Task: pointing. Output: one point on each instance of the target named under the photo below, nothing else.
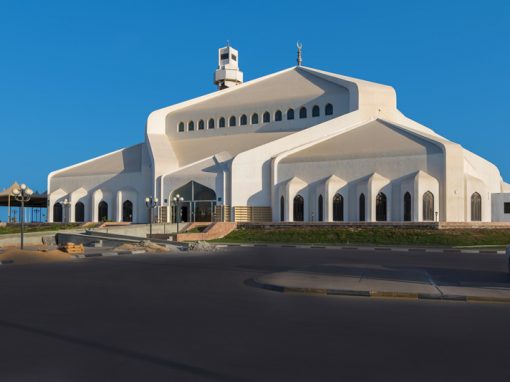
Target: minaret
(299, 54)
(228, 73)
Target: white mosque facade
(297, 145)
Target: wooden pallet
(72, 248)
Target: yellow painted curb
(487, 299)
(304, 290)
(381, 294)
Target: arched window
(282, 209)
(79, 212)
(278, 116)
(316, 111)
(328, 109)
(191, 126)
(201, 125)
(407, 207)
(299, 209)
(232, 121)
(102, 211)
(254, 118)
(211, 124)
(127, 211)
(290, 114)
(302, 112)
(362, 208)
(428, 206)
(222, 122)
(476, 207)
(244, 120)
(320, 209)
(181, 127)
(57, 213)
(338, 208)
(266, 118)
(381, 211)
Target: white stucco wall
(111, 178)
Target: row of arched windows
(102, 212)
(381, 207)
(254, 119)
(428, 207)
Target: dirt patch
(34, 256)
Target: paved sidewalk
(380, 281)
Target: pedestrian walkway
(381, 281)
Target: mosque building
(300, 144)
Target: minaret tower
(228, 73)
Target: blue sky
(79, 78)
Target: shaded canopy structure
(7, 199)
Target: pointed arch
(476, 207)
(282, 209)
(299, 208)
(180, 128)
(232, 121)
(428, 206)
(201, 125)
(79, 212)
(316, 111)
(127, 211)
(254, 119)
(407, 207)
(57, 212)
(266, 118)
(191, 126)
(381, 207)
(338, 208)
(102, 211)
(290, 114)
(222, 122)
(302, 112)
(278, 116)
(362, 212)
(320, 209)
(244, 120)
(328, 110)
(211, 123)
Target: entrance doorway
(198, 205)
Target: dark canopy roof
(37, 199)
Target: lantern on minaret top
(228, 74)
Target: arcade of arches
(381, 207)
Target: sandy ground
(33, 255)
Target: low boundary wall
(361, 225)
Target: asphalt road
(192, 318)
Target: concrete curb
(88, 255)
(376, 294)
(395, 249)
(106, 254)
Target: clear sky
(79, 78)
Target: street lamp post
(177, 200)
(66, 204)
(22, 194)
(151, 203)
